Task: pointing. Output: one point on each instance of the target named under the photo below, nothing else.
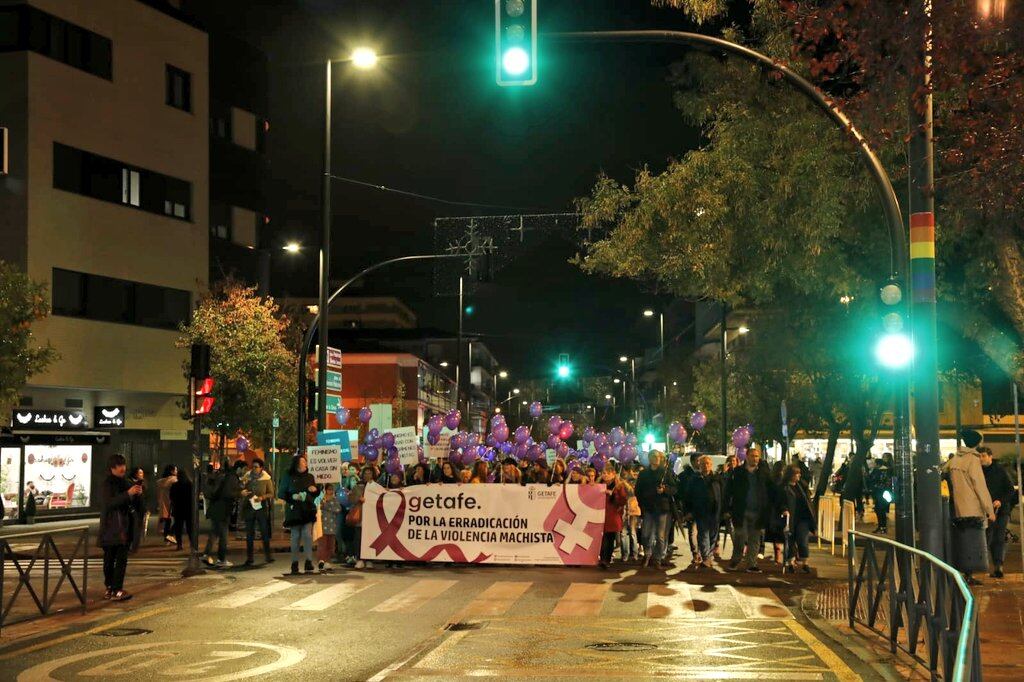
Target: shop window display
(62, 475)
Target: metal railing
(916, 601)
(49, 553)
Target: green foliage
(252, 360)
(22, 302)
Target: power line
(427, 197)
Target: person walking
(354, 518)
(617, 492)
(799, 515)
(703, 504)
(163, 501)
(299, 492)
(880, 488)
(221, 491)
(1000, 489)
(257, 498)
(629, 538)
(655, 488)
(971, 507)
(749, 503)
(117, 497)
(181, 509)
(140, 509)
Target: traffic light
(515, 41)
(895, 349)
(564, 370)
(201, 383)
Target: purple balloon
(387, 440)
(371, 454)
(500, 433)
(566, 429)
(600, 440)
(741, 454)
(627, 454)
(536, 409)
(435, 423)
(554, 424)
(631, 439)
(535, 453)
(588, 434)
(682, 435)
(740, 437)
(365, 414)
(673, 430)
(374, 434)
(473, 439)
(452, 419)
(393, 465)
(598, 461)
(698, 420)
(241, 444)
(553, 441)
(378, 442)
(750, 429)
(421, 455)
(392, 451)
(522, 433)
(505, 447)
(562, 450)
(497, 419)
(341, 414)
(605, 450)
(433, 438)
(616, 435)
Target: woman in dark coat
(299, 492)
(798, 512)
(117, 497)
(140, 512)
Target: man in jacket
(971, 506)
(749, 503)
(115, 533)
(1000, 489)
(880, 487)
(655, 488)
(256, 500)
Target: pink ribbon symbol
(388, 537)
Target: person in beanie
(117, 496)
(1000, 488)
(971, 507)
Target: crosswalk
(460, 602)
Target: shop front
(50, 463)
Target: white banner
(484, 523)
(406, 442)
(324, 462)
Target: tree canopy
(22, 302)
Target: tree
(252, 360)
(22, 302)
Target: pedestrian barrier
(848, 520)
(48, 552)
(828, 510)
(916, 601)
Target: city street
(440, 622)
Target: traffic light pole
(307, 339)
(922, 277)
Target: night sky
(432, 120)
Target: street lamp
(362, 58)
(623, 358)
(443, 363)
(293, 247)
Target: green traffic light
(515, 61)
(469, 310)
(649, 439)
(563, 371)
(894, 351)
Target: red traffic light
(202, 401)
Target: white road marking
(250, 594)
(328, 597)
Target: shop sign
(61, 420)
(109, 416)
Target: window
(92, 175)
(107, 299)
(27, 28)
(220, 220)
(179, 88)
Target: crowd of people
(767, 511)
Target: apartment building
(106, 202)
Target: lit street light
(623, 358)
(364, 58)
(648, 313)
(503, 374)
(293, 247)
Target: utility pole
(725, 395)
(922, 278)
(325, 264)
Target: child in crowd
(330, 511)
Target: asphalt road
(440, 622)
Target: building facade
(106, 202)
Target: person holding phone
(117, 529)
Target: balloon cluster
(466, 448)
